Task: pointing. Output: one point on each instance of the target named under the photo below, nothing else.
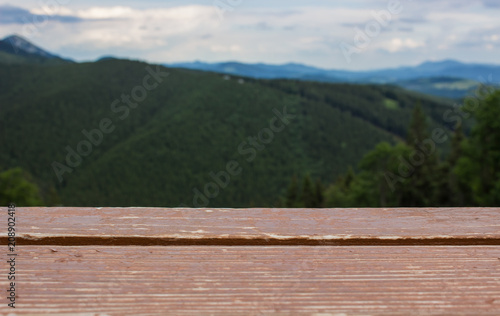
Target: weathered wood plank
(438, 280)
(155, 226)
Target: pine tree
(292, 194)
(459, 192)
(479, 168)
(318, 194)
(456, 145)
(307, 196)
(420, 189)
(417, 131)
(349, 177)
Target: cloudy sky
(354, 34)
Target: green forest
(199, 139)
(414, 173)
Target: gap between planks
(158, 241)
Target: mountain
(118, 132)
(175, 143)
(446, 68)
(449, 78)
(258, 71)
(441, 74)
(16, 50)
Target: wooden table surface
(150, 261)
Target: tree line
(414, 173)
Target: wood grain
(154, 226)
(152, 261)
(291, 280)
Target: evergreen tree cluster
(309, 194)
(414, 173)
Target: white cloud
(225, 49)
(254, 32)
(90, 13)
(398, 44)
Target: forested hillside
(166, 147)
(414, 173)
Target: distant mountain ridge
(458, 78)
(448, 78)
(16, 50)
(446, 68)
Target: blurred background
(238, 103)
